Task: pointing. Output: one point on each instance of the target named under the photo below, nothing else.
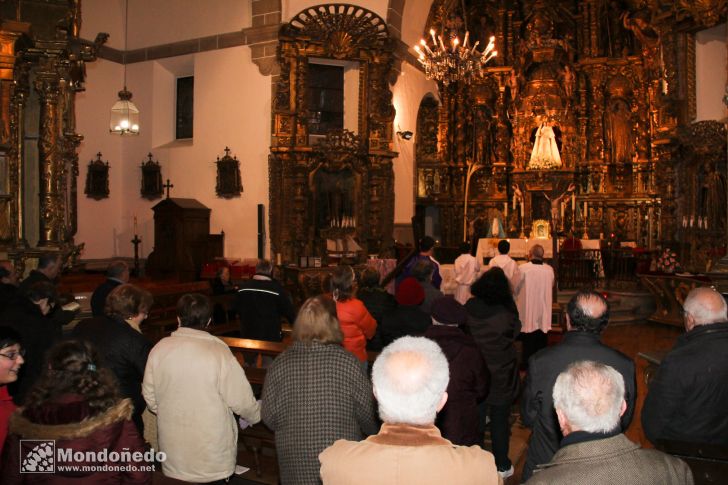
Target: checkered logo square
(37, 456)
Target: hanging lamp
(124, 119)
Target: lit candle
(573, 202)
(135, 226)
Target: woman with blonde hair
(315, 393)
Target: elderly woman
(356, 322)
(11, 358)
(119, 340)
(76, 403)
(315, 393)
(494, 324)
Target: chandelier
(456, 62)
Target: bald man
(409, 379)
(688, 398)
(587, 316)
(533, 298)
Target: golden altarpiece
(41, 68)
(339, 187)
(613, 84)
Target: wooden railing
(604, 268)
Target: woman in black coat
(406, 318)
(118, 338)
(377, 300)
(469, 376)
(493, 322)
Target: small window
(185, 104)
(325, 98)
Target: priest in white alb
(467, 270)
(507, 264)
(534, 302)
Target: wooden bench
(708, 462)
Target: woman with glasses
(11, 358)
(76, 403)
(118, 338)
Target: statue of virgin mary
(545, 153)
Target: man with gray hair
(587, 316)
(688, 398)
(116, 274)
(261, 302)
(410, 379)
(589, 400)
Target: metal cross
(168, 186)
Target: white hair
(706, 306)
(410, 377)
(590, 395)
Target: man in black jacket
(688, 397)
(587, 316)
(116, 274)
(261, 303)
(49, 267)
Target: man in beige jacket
(194, 384)
(589, 400)
(410, 377)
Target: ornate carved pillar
(10, 31)
(50, 161)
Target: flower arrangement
(543, 163)
(667, 262)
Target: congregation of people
(374, 387)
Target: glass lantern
(124, 119)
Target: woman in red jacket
(356, 323)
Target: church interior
(316, 134)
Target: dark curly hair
(494, 289)
(73, 369)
